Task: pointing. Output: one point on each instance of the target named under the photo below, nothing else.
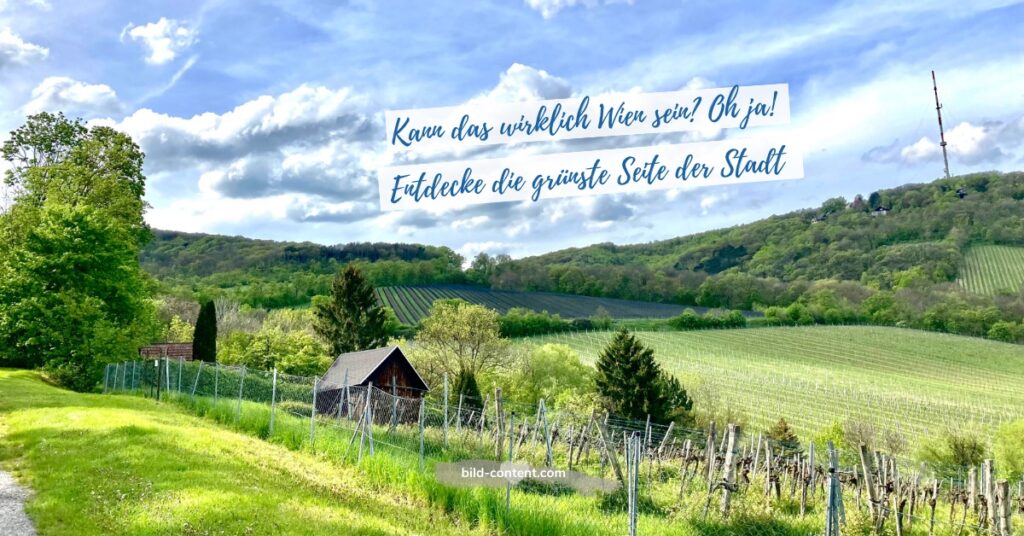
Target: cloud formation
(968, 143)
(75, 98)
(16, 51)
(164, 39)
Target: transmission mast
(942, 134)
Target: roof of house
(361, 366)
(167, 349)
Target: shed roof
(361, 366)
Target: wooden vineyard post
(683, 466)
(394, 405)
(610, 453)
(1003, 494)
(972, 489)
(369, 416)
(989, 489)
(931, 502)
(347, 401)
(757, 456)
(709, 454)
(548, 460)
(767, 469)
(866, 467)
(499, 424)
(458, 415)
(729, 469)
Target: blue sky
(265, 119)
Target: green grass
(912, 381)
(992, 270)
(127, 465)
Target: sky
(266, 118)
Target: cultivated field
(411, 304)
(915, 382)
(990, 270)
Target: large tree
(72, 295)
(460, 338)
(633, 385)
(204, 338)
(351, 319)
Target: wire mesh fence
(660, 475)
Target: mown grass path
(125, 465)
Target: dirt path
(13, 521)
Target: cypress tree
(634, 386)
(351, 319)
(465, 384)
(204, 339)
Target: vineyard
(914, 382)
(411, 304)
(990, 270)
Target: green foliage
(459, 337)
(291, 352)
(1006, 331)
(520, 322)
(632, 383)
(466, 386)
(555, 373)
(1008, 448)
(73, 296)
(690, 320)
(204, 339)
(351, 320)
(951, 452)
(784, 437)
(178, 330)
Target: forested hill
(908, 236)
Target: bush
(689, 320)
(519, 322)
(1008, 448)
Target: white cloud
(969, 143)
(520, 83)
(60, 93)
(15, 50)
(550, 8)
(165, 38)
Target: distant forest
(890, 257)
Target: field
(918, 383)
(990, 270)
(411, 304)
(126, 465)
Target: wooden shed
(380, 366)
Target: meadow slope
(913, 381)
(126, 465)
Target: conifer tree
(351, 319)
(784, 436)
(634, 386)
(204, 338)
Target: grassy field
(126, 465)
(916, 382)
(990, 270)
(412, 304)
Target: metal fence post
(511, 443)
(369, 415)
(167, 371)
(273, 403)
(421, 433)
(446, 410)
(180, 362)
(834, 498)
(241, 385)
(346, 400)
(216, 380)
(312, 414)
(196, 383)
(106, 377)
(394, 405)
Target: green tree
(633, 385)
(784, 436)
(351, 319)
(459, 337)
(204, 338)
(72, 296)
(466, 386)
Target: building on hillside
(387, 369)
(168, 350)
(880, 211)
